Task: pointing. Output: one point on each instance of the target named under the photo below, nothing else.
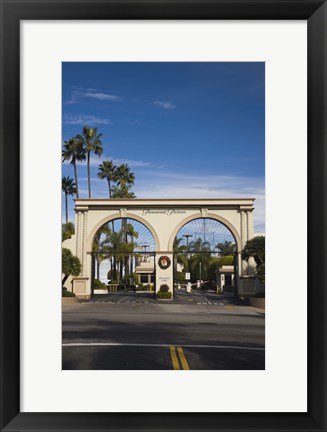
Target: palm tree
(106, 171)
(69, 188)
(130, 231)
(98, 248)
(122, 192)
(199, 245)
(92, 143)
(123, 176)
(179, 253)
(226, 248)
(74, 152)
(200, 258)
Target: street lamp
(187, 236)
(145, 246)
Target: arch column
(244, 238)
(81, 284)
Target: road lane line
(80, 344)
(119, 301)
(174, 358)
(182, 358)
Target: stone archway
(163, 217)
(204, 248)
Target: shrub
(140, 287)
(71, 265)
(179, 277)
(97, 284)
(164, 295)
(164, 288)
(66, 293)
(226, 260)
(67, 230)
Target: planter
(100, 291)
(257, 302)
(69, 300)
(164, 300)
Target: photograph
(163, 215)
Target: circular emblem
(164, 262)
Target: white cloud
(84, 119)
(151, 182)
(164, 105)
(101, 96)
(132, 163)
(174, 185)
(93, 94)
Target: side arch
(115, 216)
(219, 218)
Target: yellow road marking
(183, 358)
(174, 358)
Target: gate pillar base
(81, 287)
(246, 286)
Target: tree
(226, 248)
(180, 254)
(91, 144)
(122, 192)
(98, 248)
(67, 230)
(226, 260)
(123, 176)
(107, 171)
(69, 188)
(130, 231)
(255, 248)
(201, 255)
(124, 179)
(73, 151)
(71, 265)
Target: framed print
(152, 155)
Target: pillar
(82, 283)
(244, 238)
(164, 276)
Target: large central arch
(163, 218)
(205, 255)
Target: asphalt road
(129, 331)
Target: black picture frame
(12, 12)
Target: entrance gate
(163, 218)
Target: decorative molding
(122, 213)
(204, 212)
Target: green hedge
(97, 284)
(164, 295)
(66, 293)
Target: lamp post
(187, 236)
(145, 246)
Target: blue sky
(186, 129)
